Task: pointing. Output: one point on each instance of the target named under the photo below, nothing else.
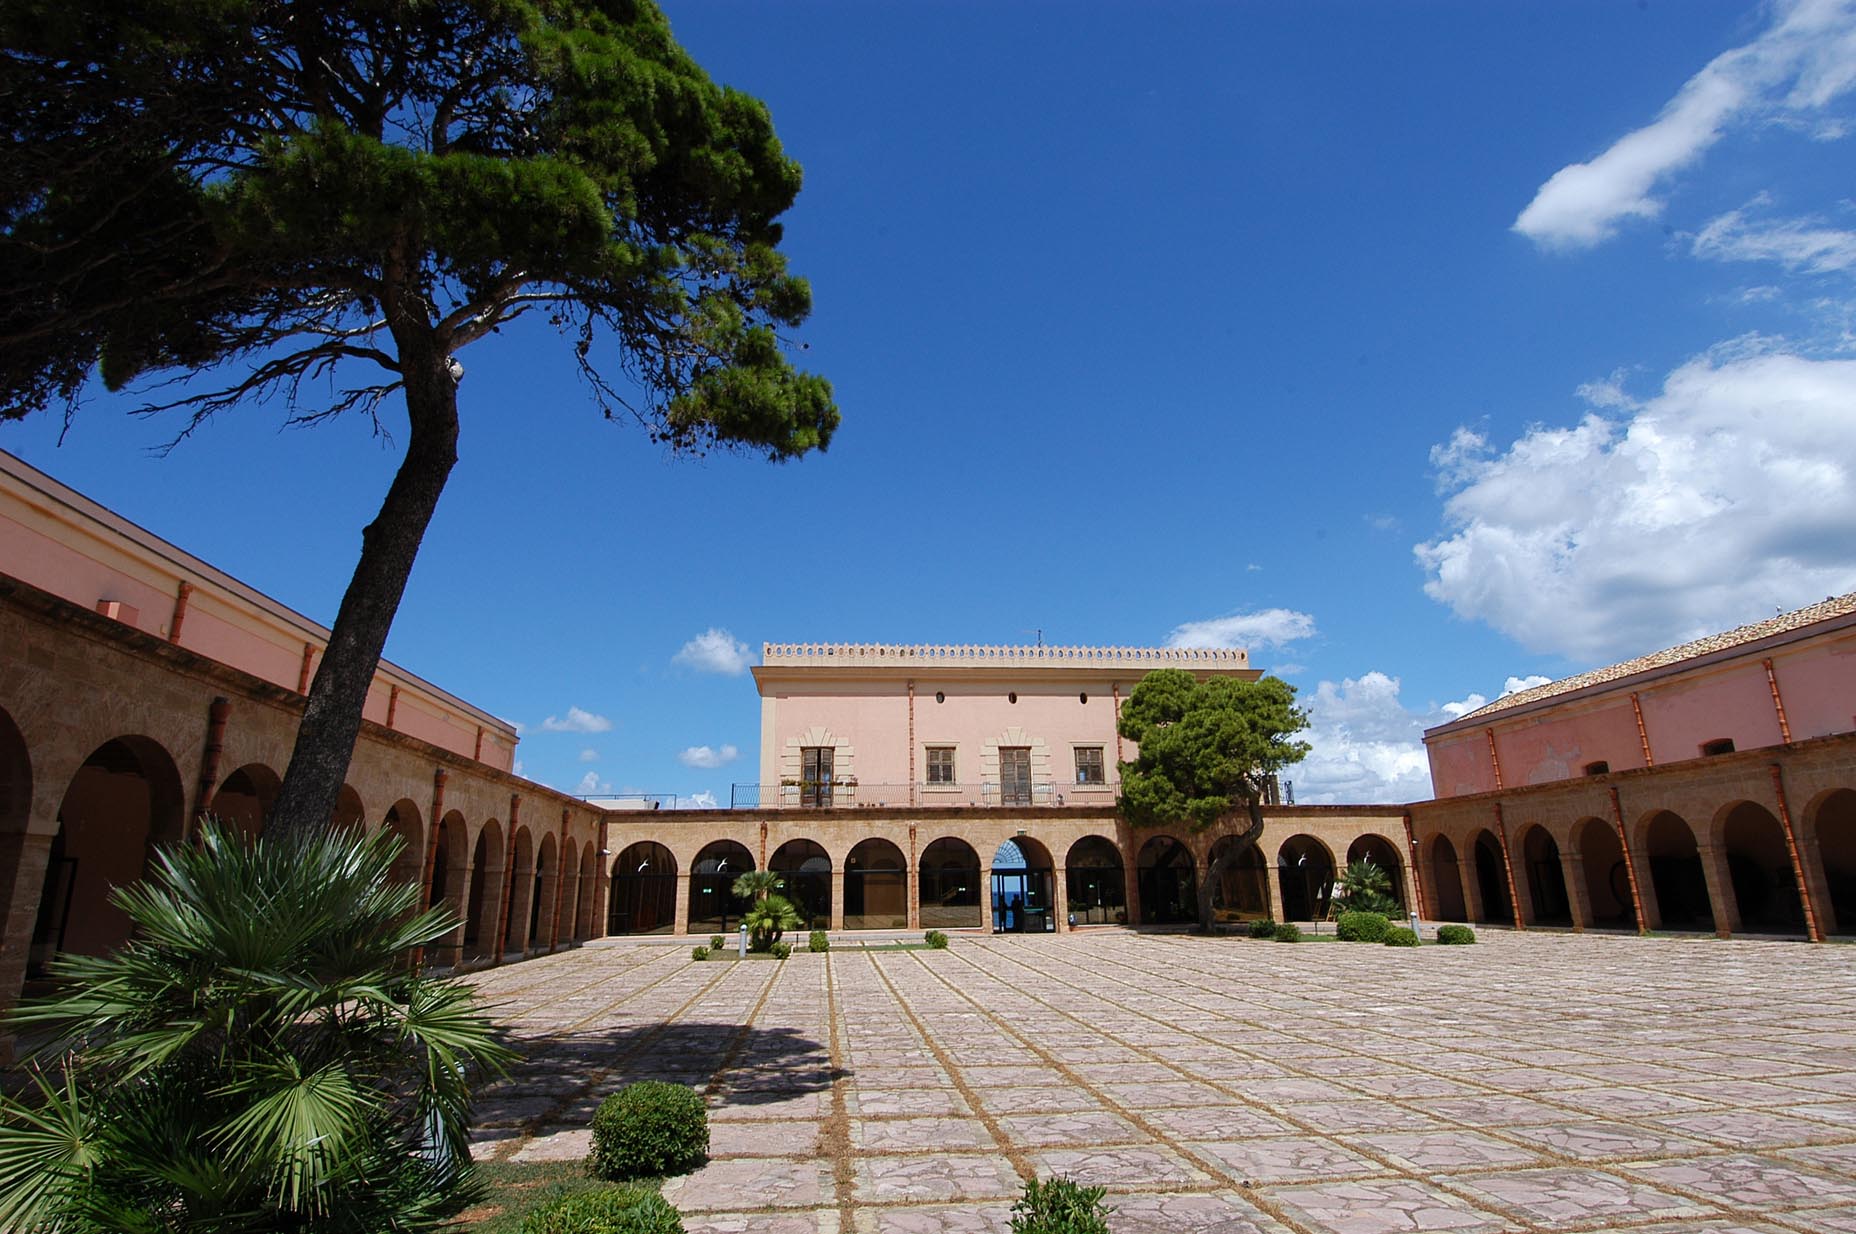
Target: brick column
(915, 867)
(1720, 890)
(682, 922)
(1131, 887)
(1060, 893)
(1272, 890)
(1578, 895)
(837, 898)
(27, 856)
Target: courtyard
(1538, 1082)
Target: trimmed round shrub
(649, 1128)
(1455, 935)
(1288, 932)
(819, 941)
(1060, 1206)
(1360, 927)
(609, 1210)
(1401, 936)
(1263, 929)
(699, 953)
(717, 942)
(935, 939)
(780, 951)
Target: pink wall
(1816, 683)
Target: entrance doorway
(1021, 889)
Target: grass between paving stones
(514, 1189)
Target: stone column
(915, 898)
(27, 855)
(1469, 875)
(1131, 888)
(986, 897)
(1645, 887)
(1578, 895)
(449, 950)
(521, 893)
(682, 923)
(1811, 856)
(837, 897)
(1272, 890)
(1060, 895)
(1720, 890)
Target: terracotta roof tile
(1835, 606)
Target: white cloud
(1270, 627)
(1802, 245)
(1729, 494)
(1463, 706)
(1802, 63)
(577, 721)
(1367, 747)
(516, 767)
(591, 785)
(1514, 685)
(589, 755)
(703, 756)
(715, 650)
(704, 800)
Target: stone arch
(1167, 879)
(949, 870)
(876, 887)
(349, 811)
(1545, 878)
(450, 881)
(245, 799)
(1242, 891)
(714, 906)
(1830, 822)
(1677, 881)
(484, 905)
(122, 801)
(1373, 847)
(644, 890)
(521, 883)
(1607, 874)
(1305, 868)
(588, 919)
(1097, 881)
(1759, 867)
(806, 868)
(1023, 887)
(1492, 878)
(15, 777)
(1446, 882)
(402, 821)
(542, 898)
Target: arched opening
(1676, 873)
(349, 813)
(53, 886)
(1760, 865)
(1446, 882)
(1546, 878)
(805, 867)
(1492, 879)
(585, 922)
(1833, 821)
(521, 883)
(1379, 851)
(1607, 877)
(547, 885)
(1023, 888)
(125, 798)
(644, 890)
(569, 907)
(485, 901)
(1167, 880)
(1241, 892)
(876, 887)
(402, 822)
(1305, 869)
(1098, 885)
(950, 874)
(714, 906)
(245, 799)
(450, 881)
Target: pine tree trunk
(331, 724)
(1246, 840)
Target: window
(815, 775)
(1598, 768)
(1012, 697)
(1089, 765)
(940, 696)
(1083, 698)
(1720, 745)
(940, 764)
(1015, 775)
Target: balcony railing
(844, 794)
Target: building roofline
(977, 655)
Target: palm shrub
(634, 1208)
(1365, 888)
(651, 1127)
(1060, 1206)
(757, 885)
(769, 918)
(261, 1056)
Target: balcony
(846, 794)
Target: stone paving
(1537, 1082)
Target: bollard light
(1414, 922)
(742, 942)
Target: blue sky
(1418, 347)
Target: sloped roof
(1784, 623)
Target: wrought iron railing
(844, 794)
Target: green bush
(649, 1128)
(1401, 936)
(1455, 935)
(1060, 1206)
(935, 939)
(1264, 928)
(699, 953)
(717, 942)
(1288, 932)
(631, 1209)
(819, 941)
(1361, 927)
(780, 951)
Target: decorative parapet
(943, 655)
